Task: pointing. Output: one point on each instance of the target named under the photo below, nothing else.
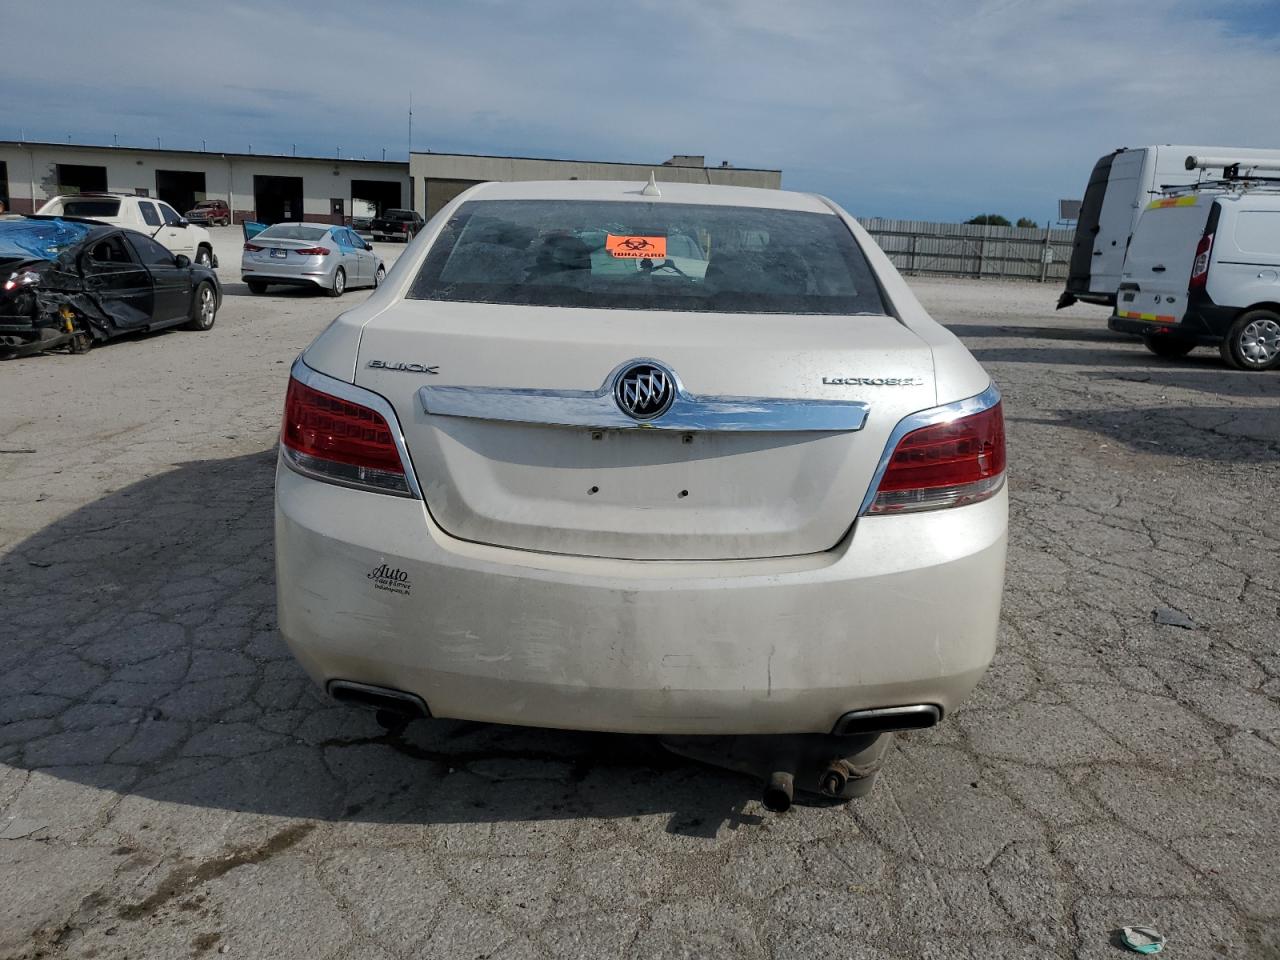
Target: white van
(1123, 183)
(1204, 270)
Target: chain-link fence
(969, 250)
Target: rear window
(648, 256)
(398, 215)
(291, 231)
(90, 208)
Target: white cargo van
(1123, 183)
(1204, 270)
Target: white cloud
(925, 108)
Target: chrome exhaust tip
(379, 698)
(887, 719)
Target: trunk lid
(290, 247)
(633, 493)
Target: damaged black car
(68, 283)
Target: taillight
(1200, 266)
(333, 439)
(945, 464)
(253, 247)
(312, 252)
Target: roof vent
(651, 188)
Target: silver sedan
(332, 258)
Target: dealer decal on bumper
(390, 579)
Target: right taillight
(329, 438)
(945, 464)
(1200, 266)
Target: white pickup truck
(149, 216)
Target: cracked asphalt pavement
(172, 786)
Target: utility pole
(410, 121)
(1046, 253)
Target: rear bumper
(1192, 327)
(1077, 289)
(322, 280)
(905, 612)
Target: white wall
(32, 172)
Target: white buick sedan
(679, 460)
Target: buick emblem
(644, 391)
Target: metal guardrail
(969, 250)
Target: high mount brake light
(948, 464)
(338, 441)
(1200, 266)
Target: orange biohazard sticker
(635, 248)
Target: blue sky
(928, 109)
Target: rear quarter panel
(957, 374)
(1246, 257)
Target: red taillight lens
(1200, 266)
(945, 465)
(337, 440)
(313, 252)
(253, 247)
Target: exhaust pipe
(397, 702)
(887, 719)
(778, 791)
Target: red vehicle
(214, 213)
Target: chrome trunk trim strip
(688, 412)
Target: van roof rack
(1230, 166)
(1228, 185)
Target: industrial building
(256, 187)
(445, 175)
(271, 188)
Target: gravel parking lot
(172, 786)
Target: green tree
(990, 220)
(1027, 222)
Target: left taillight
(948, 464)
(339, 441)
